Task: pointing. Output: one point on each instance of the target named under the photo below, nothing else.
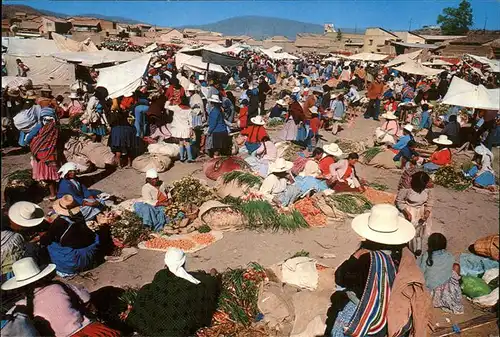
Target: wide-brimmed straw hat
(408, 127)
(390, 115)
(157, 65)
(383, 224)
(296, 90)
(280, 165)
(333, 150)
(14, 92)
(258, 120)
(73, 95)
(214, 99)
(442, 140)
(314, 110)
(26, 271)
(30, 95)
(66, 206)
(281, 102)
(46, 88)
(26, 214)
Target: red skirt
(96, 329)
(42, 171)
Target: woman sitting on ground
(441, 157)
(343, 177)
(90, 204)
(382, 266)
(311, 178)
(405, 138)
(442, 275)
(255, 132)
(278, 185)
(176, 303)
(72, 245)
(154, 199)
(406, 154)
(265, 154)
(279, 110)
(483, 174)
(55, 308)
(332, 153)
(388, 132)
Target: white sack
(300, 271)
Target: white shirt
(273, 185)
(150, 193)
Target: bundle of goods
(216, 167)
(379, 187)
(488, 247)
(348, 146)
(377, 196)
(146, 161)
(220, 216)
(167, 149)
(449, 177)
(482, 290)
(313, 215)
(350, 204)
(128, 230)
(73, 153)
(370, 153)
(189, 243)
(291, 152)
(20, 186)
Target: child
(442, 275)
(314, 132)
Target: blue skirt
(251, 147)
(122, 138)
(485, 179)
(72, 260)
(99, 130)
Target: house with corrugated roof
(85, 25)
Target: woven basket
(488, 246)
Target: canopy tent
(493, 64)
(437, 62)
(90, 59)
(463, 93)
(14, 81)
(124, 78)
(276, 49)
(403, 58)
(332, 59)
(65, 44)
(196, 63)
(30, 47)
(209, 56)
(367, 57)
(278, 56)
(416, 68)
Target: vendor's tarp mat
(125, 77)
(463, 93)
(44, 69)
(416, 68)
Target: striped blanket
(370, 317)
(44, 144)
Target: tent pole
(208, 66)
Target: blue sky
(389, 14)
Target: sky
(388, 14)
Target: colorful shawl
(371, 314)
(44, 144)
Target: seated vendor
(72, 245)
(426, 118)
(343, 177)
(176, 303)
(254, 132)
(279, 110)
(154, 199)
(89, 204)
(311, 179)
(407, 154)
(332, 153)
(278, 185)
(403, 140)
(441, 157)
(265, 154)
(389, 130)
(483, 174)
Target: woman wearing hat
(217, 129)
(343, 177)
(155, 197)
(332, 153)
(337, 107)
(293, 119)
(376, 280)
(75, 107)
(55, 308)
(441, 157)
(181, 128)
(483, 174)
(72, 245)
(94, 121)
(175, 303)
(260, 158)
(277, 185)
(387, 133)
(405, 138)
(255, 132)
(46, 99)
(279, 109)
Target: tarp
(332, 59)
(125, 77)
(152, 47)
(29, 47)
(196, 63)
(65, 44)
(437, 62)
(493, 64)
(403, 58)
(416, 68)
(14, 81)
(368, 57)
(43, 69)
(463, 93)
(220, 59)
(90, 59)
(276, 49)
(278, 56)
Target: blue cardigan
(216, 121)
(78, 194)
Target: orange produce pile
(203, 238)
(313, 216)
(161, 243)
(379, 197)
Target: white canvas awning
(368, 57)
(276, 49)
(332, 59)
(437, 62)
(403, 58)
(43, 69)
(463, 93)
(152, 47)
(65, 44)
(416, 68)
(30, 47)
(493, 64)
(90, 59)
(124, 78)
(196, 63)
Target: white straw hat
(66, 205)
(390, 115)
(26, 214)
(157, 65)
(201, 77)
(214, 99)
(26, 271)
(333, 150)
(69, 166)
(442, 140)
(258, 120)
(192, 87)
(280, 165)
(281, 102)
(314, 110)
(296, 90)
(73, 95)
(408, 127)
(151, 173)
(383, 224)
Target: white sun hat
(175, 260)
(442, 140)
(73, 95)
(151, 173)
(26, 214)
(280, 165)
(258, 120)
(281, 102)
(408, 127)
(383, 224)
(192, 87)
(333, 150)
(69, 166)
(26, 271)
(389, 115)
(314, 110)
(296, 90)
(214, 99)
(157, 65)
(201, 77)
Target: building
(330, 42)
(172, 35)
(29, 29)
(409, 37)
(108, 25)
(377, 40)
(86, 25)
(475, 43)
(436, 39)
(54, 25)
(280, 41)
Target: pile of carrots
(161, 243)
(203, 238)
(379, 197)
(313, 216)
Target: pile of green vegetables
(275, 123)
(378, 187)
(129, 230)
(349, 203)
(190, 190)
(21, 177)
(449, 177)
(242, 178)
(371, 153)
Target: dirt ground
(461, 216)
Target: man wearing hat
(46, 99)
(403, 140)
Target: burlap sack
(170, 150)
(212, 214)
(147, 161)
(98, 154)
(277, 307)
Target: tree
(456, 21)
(339, 35)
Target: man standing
(375, 92)
(264, 90)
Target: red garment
(96, 329)
(175, 95)
(46, 102)
(324, 164)
(391, 106)
(255, 133)
(314, 125)
(441, 157)
(243, 116)
(127, 103)
(348, 172)
(375, 90)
